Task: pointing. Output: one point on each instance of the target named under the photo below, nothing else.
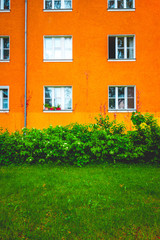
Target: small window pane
(6, 42)
(120, 4)
(130, 53)
(111, 103)
(131, 103)
(48, 4)
(6, 4)
(120, 53)
(68, 42)
(67, 4)
(57, 92)
(129, 3)
(111, 4)
(112, 48)
(129, 41)
(6, 54)
(68, 97)
(5, 93)
(5, 103)
(57, 42)
(121, 42)
(120, 92)
(120, 103)
(130, 91)
(48, 48)
(48, 92)
(57, 4)
(112, 92)
(48, 101)
(57, 54)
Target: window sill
(57, 60)
(5, 10)
(122, 111)
(57, 111)
(122, 60)
(3, 60)
(121, 9)
(58, 10)
(4, 111)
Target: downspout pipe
(25, 91)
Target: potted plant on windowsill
(46, 106)
(52, 108)
(58, 107)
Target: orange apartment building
(64, 61)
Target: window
(4, 98)
(4, 4)
(121, 4)
(4, 48)
(58, 98)
(121, 47)
(58, 48)
(58, 4)
(122, 98)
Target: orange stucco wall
(90, 73)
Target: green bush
(78, 144)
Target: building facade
(82, 58)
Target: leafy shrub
(78, 144)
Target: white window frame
(1, 99)
(2, 47)
(2, 6)
(121, 9)
(125, 48)
(62, 107)
(125, 99)
(62, 9)
(63, 49)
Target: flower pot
(58, 108)
(51, 109)
(46, 108)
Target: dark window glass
(111, 47)
(6, 4)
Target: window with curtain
(4, 98)
(4, 48)
(58, 97)
(121, 47)
(121, 4)
(122, 98)
(58, 4)
(58, 48)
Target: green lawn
(94, 202)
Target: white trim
(122, 60)
(57, 60)
(58, 111)
(121, 10)
(4, 10)
(122, 111)
(56, 10)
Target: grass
(94, 202)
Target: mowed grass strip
(94, 202)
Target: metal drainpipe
(25, 91)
